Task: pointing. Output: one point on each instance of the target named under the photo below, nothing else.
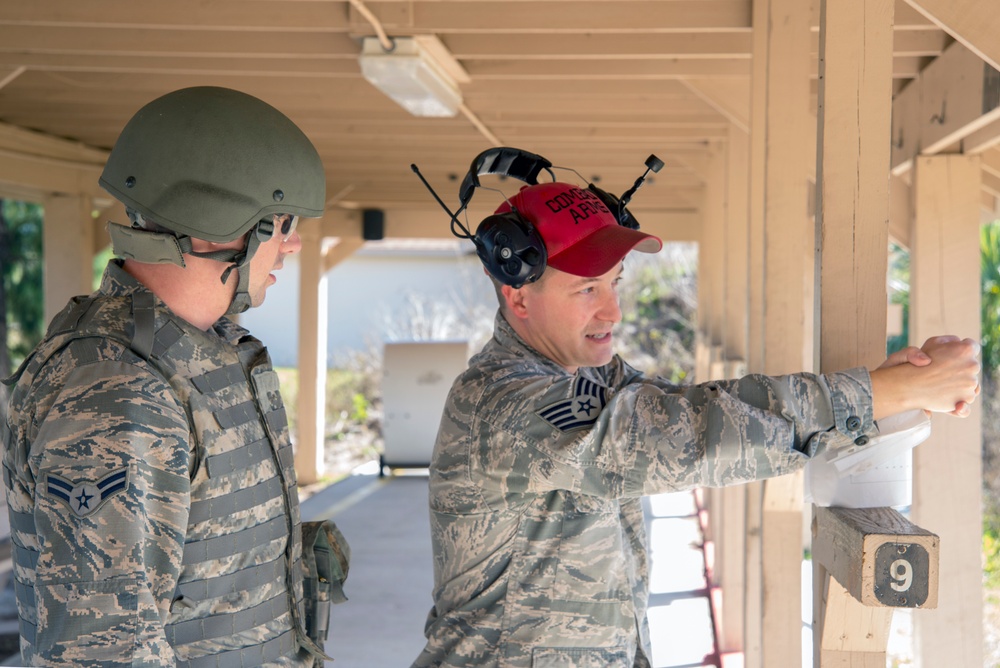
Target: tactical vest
(239, 598)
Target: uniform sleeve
(111, 468)
(648, 437)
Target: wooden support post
(730, 544)
(947, 495)
(711, 261)
(67, 236)
(315, 260)
(780, 127)
(309, 453)
(754, 574)
(852, 218)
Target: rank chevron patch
(84, 496)
(580, 410)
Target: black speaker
(372, 224)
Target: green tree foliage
(659, 303)
(898, 286)
(989, 244)
(22, 306)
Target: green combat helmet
(209, 163)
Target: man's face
(270, 257)
(568, 318)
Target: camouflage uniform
(536, 480)
(151, 492)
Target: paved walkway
(386, 522)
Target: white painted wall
(380, 295)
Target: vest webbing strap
(247, 656)
(240, 581)
(145, 317)
(286, 458)
(238, 459)
(276, 419)
(23, 522)
(25, 558)
(228, 624)
(70, 318)
(234, 502)
(28, 630)
(166, 337)
(236, 415)
(235, 543)
(219, 379)
(26, 597)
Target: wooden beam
(623, 16)
(974, 23)
(878, 556)
(983, 139)
(10, 74)
(952, 99)
(668, 224)
(44, 164)
(729, 97)
(345, 248)
(945, 298)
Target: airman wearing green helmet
(147, 458)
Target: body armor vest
(239, 595)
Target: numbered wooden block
(878, 556)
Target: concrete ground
(387, 525)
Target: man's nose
(610, 310)
(293, 244)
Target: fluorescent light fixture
(415, 74)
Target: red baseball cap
(582, 237)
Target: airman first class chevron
(580, 410)
(85, 496)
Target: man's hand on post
(941, 376)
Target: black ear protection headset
(508, 244)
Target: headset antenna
(652, 163)
(466, 234)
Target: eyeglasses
(287, 223)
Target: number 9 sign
(901, 574)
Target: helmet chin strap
(261, 233)
(162, 247)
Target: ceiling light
(419, 74)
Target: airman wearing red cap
(549, 440)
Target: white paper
(876, 474)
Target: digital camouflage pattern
(535, 488)
(151, 492)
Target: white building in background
(390, 290)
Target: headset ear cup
(511, 249)
(621, 214)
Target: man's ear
(516, 300)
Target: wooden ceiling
(593, 85)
